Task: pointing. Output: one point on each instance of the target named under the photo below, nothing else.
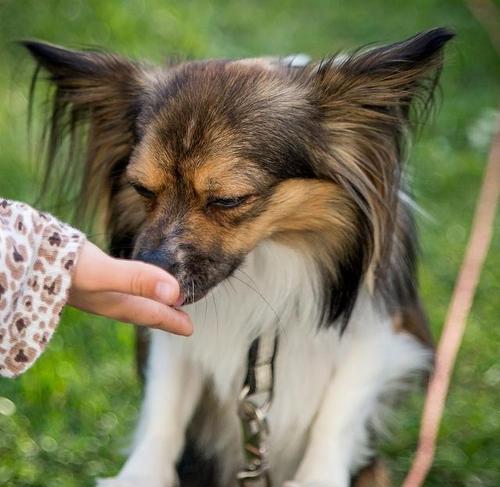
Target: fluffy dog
(276, 195)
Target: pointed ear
(364, 102)
(87, 78)
(382, 77)
(97, 95)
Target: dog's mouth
(197, 276)
(192, 292)
(194, 289)
(189, 297)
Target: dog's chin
(188, 296)
(194, 289)
(187, 299)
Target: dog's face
(225, 158)
(204, 160)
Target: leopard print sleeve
(37, 254)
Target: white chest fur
(276, 288)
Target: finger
(137, 310)
(143, 311)
(96, 271)
(145, 280)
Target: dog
(275, 192)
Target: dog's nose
(160, 258)
(157, 258)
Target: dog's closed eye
(228, 203)
(142, 190)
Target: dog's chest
(277, 290)
(304, 365)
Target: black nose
(155, 257)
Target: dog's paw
(114, 482)
(294, 483)
(133, 482)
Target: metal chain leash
(253, 405)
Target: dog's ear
(365, 102)
(99, 93)
(91, 79)
(380, 78)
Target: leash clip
(255, 438)
(254, 403)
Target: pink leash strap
(456, 319)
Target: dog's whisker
(231, 284)
(281, 327)
(206, 309)
(226, 284)
(216, 313)
(250, 278)
(278, 319)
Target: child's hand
(127, 290)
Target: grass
(66, 421)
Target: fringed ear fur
(96, 98)
(365, 100)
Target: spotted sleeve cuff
(37, 254)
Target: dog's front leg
(339, 430)
(173, 386)
(370, 363)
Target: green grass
(67, 420)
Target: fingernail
(180, 301)
(164, 292)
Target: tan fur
(295, 208)
(366, 106)
(412, 320)
(374, 475)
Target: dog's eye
(145, 192)
(227, 202)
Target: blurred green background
(69, 418)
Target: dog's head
(198, 162)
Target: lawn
(67, 420)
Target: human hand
(127, 290)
